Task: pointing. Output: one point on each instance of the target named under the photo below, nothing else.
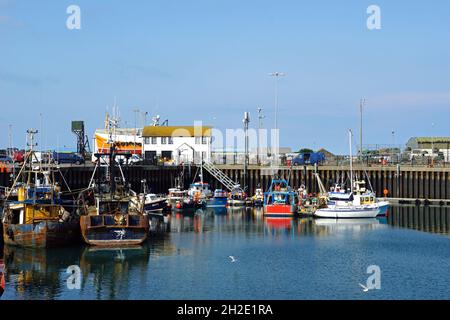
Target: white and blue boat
(219, 199)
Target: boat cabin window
(108, 207)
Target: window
(163, 140)
(170, 140)
(204, 140)
(147, 140)
(153, 140)
(197, 140)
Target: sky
(210, 60)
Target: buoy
(178, 205)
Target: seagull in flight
(232, 259)
(365, 289)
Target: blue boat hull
(156, 206)
(219, 202)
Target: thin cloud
(20, 79)
(412, 100)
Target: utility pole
(246, 121)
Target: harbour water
(303, 258)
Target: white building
(180, 144)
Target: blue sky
(209, 60)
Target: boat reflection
(2, 273)
(36, 274)
(113, 271)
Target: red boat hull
(280, 210)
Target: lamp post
(260, 118)
(276, 75)
(246, 121)
(393, 144)
(362, 103)
(432, 144)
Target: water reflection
(112, 271)
(35, 273)
(429, 219)
(120, 272)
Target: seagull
(365, 289)
(232, 259)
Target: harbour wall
(400, 182)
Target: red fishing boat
(280, 200)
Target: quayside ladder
(220, 176)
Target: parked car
(132, 159)
(6, 159)
(67, 157)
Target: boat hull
(101, 230)
(159, 205)
(280, 210)
(347, 213)
(236, 203)
(43, 234)
(384, 206)
(219, 202)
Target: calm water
(297, 259)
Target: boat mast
(351, 160)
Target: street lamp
(276, 75)
(260, 118)
(393, 144)
(246, 121)
(432, 144)
(362, 103)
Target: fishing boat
(258, 198)
(154, 203)
(111, 213)
(219, 199)
(280, 200)
(40, 217)
(176, 194)
(237, 198)
(200, 190)
(357, 203)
